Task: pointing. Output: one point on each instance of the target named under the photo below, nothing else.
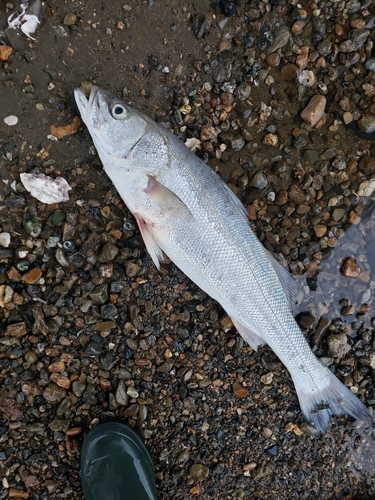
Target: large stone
(366, 188)
(296, 194)
(367, 123)
(314, 111)
(338, 345)
(53, 393)
(350, 268)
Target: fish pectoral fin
(251, 337)
(166, 200)
(289, 284)
(153, 248)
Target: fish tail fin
(335, 399)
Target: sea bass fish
(186, 211)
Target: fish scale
(188, 212)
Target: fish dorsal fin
(290, 286)
(166, 200)
(153, 248)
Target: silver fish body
(186, 211)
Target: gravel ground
(279, 99)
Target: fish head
(114, 126)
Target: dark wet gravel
(278, 97)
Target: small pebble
(11, 120)
(5, 240)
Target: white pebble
(132, 392)
(192, 143)
(11, 120)
(366, 188)
(4, 240)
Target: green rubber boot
(116, 465)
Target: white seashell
(30, 25)
(306, 78)
(27, 22)
(46, 189)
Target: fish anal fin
(166, 200)
(247, 334)
(153, 248)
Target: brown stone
(142, 361)
(339, 30)
(273, 59)
(11, 409)
(251, 212)
(367, 165)
(60, 132)
(320, 230)
(314, 111)
(56, 367)
(70, 19)
(74, 431)
(208, 133)
(226, 323)
(60, 380)
(286, 222)
(31, 481)
(357, 23)
(32, 276)
(15, 493)
(239, 390)
(5, 51)
(303, 209)
(104, 326)
(289, 73)
(131, 410)
(13, 274)
(281, 198)
(347, 311)
(54, 394)
(350, 268)
(298, 27)
(296, 194)
(16, 329)
(51, 485)
(338, 345)
(353, 218)
(132, 269)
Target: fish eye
(118, 111)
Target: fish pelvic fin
(334, 399)
(153, 248)
(247, 334)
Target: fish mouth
(90, 108)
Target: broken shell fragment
(46, 189)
